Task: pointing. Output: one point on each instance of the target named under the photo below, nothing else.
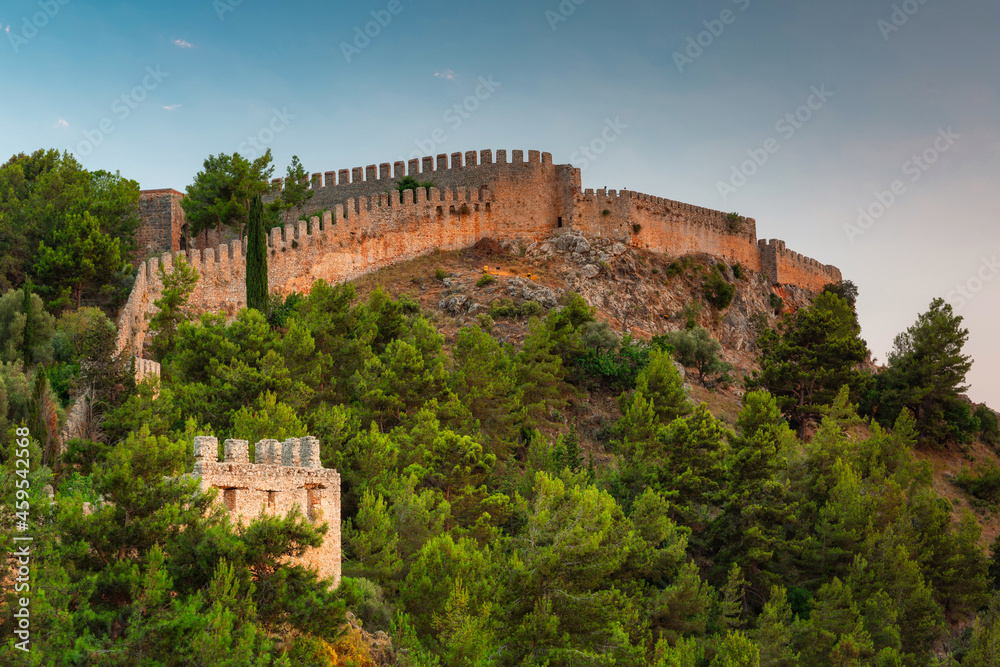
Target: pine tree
(813, 353)
(257, 288)
(29, 324)
(927, 371)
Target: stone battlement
(360, 223)
(283, 475)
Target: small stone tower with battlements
(284, 474)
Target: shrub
(485, 279)
(717, 291)
(532, 309)
(845, 289)
(655, 271)
(696, 348)
(605, 212)
(674, 269)
(411, 183)
(367, 600)
(777, 303)
(440, 274)
(409, 304)
(610, 367)
(962, 425)
(606, 268)
(989, 429)
(485, 322)
(636, 228)
(985, 486)
(738, 271)
(281, 308)
(690, 314)
(734, 221)
(504, 308)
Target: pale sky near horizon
(802, 115)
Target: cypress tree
(257, 258)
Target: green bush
(532, 309)
(504, 308)
(735, 223)
(440, 274)
(962, 424)
(674, 269)
(717, 291)
(985, 486)
(411, 183)
(777, 303)
(367, 601)
(609, 367)
(485, 279)
(738, 271)
(409, 304)
(605, 212)
(636, 228)
(690, 313)
(485, 322)
(989, 429)
(281, 308)
(695, 348)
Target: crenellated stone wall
(360, 223)
(283, 475)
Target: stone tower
(283, 475)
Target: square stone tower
(163, 226)
(284, 474)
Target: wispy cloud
(183, 44)
(445, 74)
(171, 107)
(6, 29)
(61, 123)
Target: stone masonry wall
(282, 476)
(362, 223)
(162, 221)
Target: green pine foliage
(490, 515)
(809, 357)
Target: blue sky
(903, 95)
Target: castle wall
(363, 223)
(522, 186)
(666, 226)
(282, 476)
(787, 267)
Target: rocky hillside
(634, 290)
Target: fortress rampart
(283, 475)
(360, 223)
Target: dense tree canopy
(65, 227)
